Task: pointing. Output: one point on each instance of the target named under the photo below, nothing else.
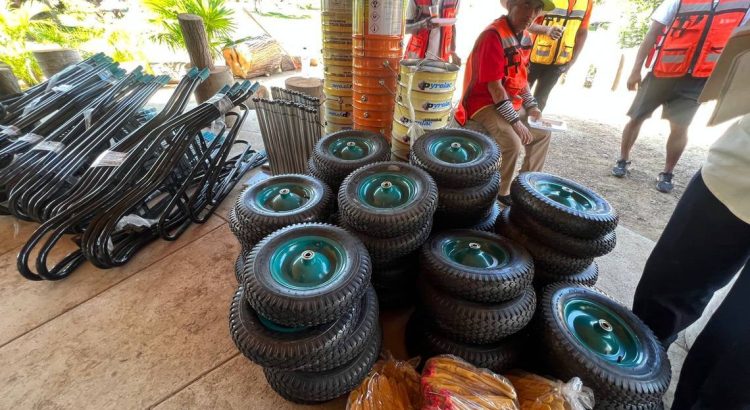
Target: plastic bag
(449, 383)
(538, 393)
(391, 385)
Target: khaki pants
(510, 146)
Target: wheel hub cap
(565, 195)
(284, 197)
(603, 332)
(386, 191)
(475, 253)
(455, 150)
(306, 262)
(351, 149)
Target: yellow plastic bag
(391, 385)
(538, 393)
(449, 383)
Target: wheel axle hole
(285, 191)
(386, 184)
(308, 255)
(475, 246)
(606, 326)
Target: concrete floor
(154, 333)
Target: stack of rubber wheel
(306, 312)
(274, 203)
(339, 154)
(588, 335)
(477, 295)
(464, 165)
(389, 206)
(563, 224)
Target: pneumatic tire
(587, 277)
(468, 201)
(385, 251)
(339, 154)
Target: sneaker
(505, 200)
(664, 182)
(621, 168)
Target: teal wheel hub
(386, 190)
(284, 197)
(307, 263)
(565, 195)
(603, 332)
(351, 149)
(475, 253)
(279, 328)
(455, 149)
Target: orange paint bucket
(386, 131)
(372, 99)
(377, 63)
(371, 47)
(375, 85)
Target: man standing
(496, 90)
(687, 37)
(559, 41)
(429, 39)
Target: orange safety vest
(418, 43)
(517, 54)
(694, 41)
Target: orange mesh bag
(391, 385)
(538, 393)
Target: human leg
(717, 368)
(509, 142)
(536, 152)
(703, 246)
(547, 82)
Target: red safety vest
(418, 43)
(694, 41)
(517, 54)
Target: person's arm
(581, 36)
(504, 107)
(423, 24)
(648, 43)
(553, 31)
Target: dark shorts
(678, 95)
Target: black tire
(333, 182)
(374, 146)
(482, 285)
(551, 261)
(476, 323)
(468, 201)
(609, 405)
(416, 212)
(397, 286)
(316, 348)
(642, 383)
(488, 223)
(587, 277)
(484, 221)
(448, 175)
(578, 247)
(384, 251)
(239, 265)
(254, 221)
(318, 387)
(307, 307)
(498, 357)
(594, 223)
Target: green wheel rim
(351, 148)
(284, 197)
(565, 195)
(475, 252)
(307, 262)
(387, 190)
(455, 149)
(603, 332)
(279, 328)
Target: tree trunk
(307, 85)
(8, 82)
(53, 61)
(196, 41)
(618, 76)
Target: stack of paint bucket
(377, 48)
(424, 102)
(336, 18)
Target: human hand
(555, 32)
(427, 24)
(523, 133)
(535, 113)
(455, 59)
(634, 81)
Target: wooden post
(8, 82)
(618, 76)
(199, 50)
(310, 86)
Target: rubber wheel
(277, 202)
(498, 357)
(333, 183)
(609, 405)
(387, 199)
(477, 323)
(239, 265)
(339, 154)
(581, 248)
(318, 387)
(397, 287)
(488, 223)
(468, 201)
(568, 206)
(546, 259)
(477, 266)
(316, 348)
(384, 251)
(456, 158)
(590, 336)
(307, 275)
(587, 277)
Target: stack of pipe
(337, 64)
(423, 102)
(377, 43)
(290, 131)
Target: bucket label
(435, 86)
(384, 17)
(436, 106)
(421, 123)
(338, 114)
(339, 86)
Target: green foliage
(279, 15)
(638, 22)
(217, 19)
